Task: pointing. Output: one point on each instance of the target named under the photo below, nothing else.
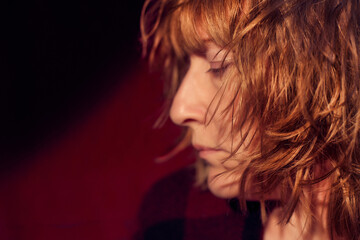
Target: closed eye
(218, 68)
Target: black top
(174, 209)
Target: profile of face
(194, 103)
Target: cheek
(231, 125)
(221, 125)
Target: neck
(309, 220)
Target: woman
(269, 93)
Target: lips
(209, 154)
(203, 148)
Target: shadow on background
(58, 58)
(77, 108)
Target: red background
(88, 183)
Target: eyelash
(218, 72)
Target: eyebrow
(206, 41)
(211, 41)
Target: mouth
(202, 148)
(207, 153)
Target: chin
(222, 185)
(223, 193)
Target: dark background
(77, 147)
(58, 58)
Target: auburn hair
(296, 72)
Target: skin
(192, 108)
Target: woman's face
(201, 86)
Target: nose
(191, 100)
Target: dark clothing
(176, 210)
